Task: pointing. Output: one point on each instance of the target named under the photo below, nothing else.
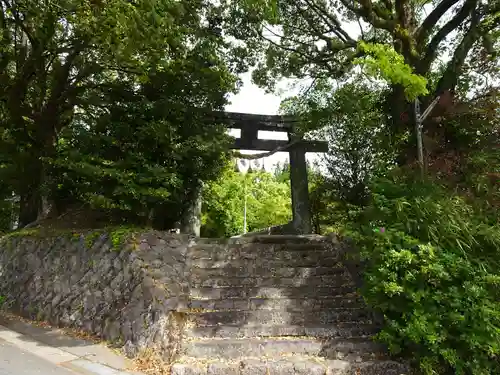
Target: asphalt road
(15, 361)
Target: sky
(252, 99)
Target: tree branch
(4, 56)
(313, 25)
(372, 15)
(388, 5)
(306, 57)
(318, 59)
(345, 39)
(331, 21)
(307, 44)
(403, 21)
(449, 79)
(369, 6)
(425, 29)
(451, 25)
(361, 29)
(18, 22)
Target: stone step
(267, 252)
(265, 270)
(311, 260)
(265, 239)
(290, 239)
(262, 247)
(270, 292)
(279, 317)
(290, 304)
(278, 282)
(341, 330)
(296, 365)
(250, 347)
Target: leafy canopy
(88, 87)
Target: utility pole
(419, 119)
(245, 206)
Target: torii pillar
(299, 184)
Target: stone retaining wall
(128, 293)
(151, 290)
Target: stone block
(281, 368)
(221, 368)
(339, 367)
(188, 369)
(309, 368)
(253, 367)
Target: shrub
(433, 271)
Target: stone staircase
(276, 305)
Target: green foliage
(433, 263)
(417, 51)
(466, 157)
(382, 61)
(30, 232)
(7, 214)
(92, 237)
(103, 103)
(351, 120)
(121, 235)
(312, 39)
(268, 203)
(152, 150)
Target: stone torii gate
(250, 124)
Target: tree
(268, 203)
(72, 69)
(350, 119)
(149, 151)
(400, 41)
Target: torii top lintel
(250, 124)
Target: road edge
(57, 356)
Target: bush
(433, 271)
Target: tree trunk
(37, 192)
(402, 122)
(48, 207)
(191, 216)
(28, 208)
(29, 204)
(36, 197)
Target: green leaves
(382, 61)
(433, 273)
(268, 203)
(350, 118)
(104, 102)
